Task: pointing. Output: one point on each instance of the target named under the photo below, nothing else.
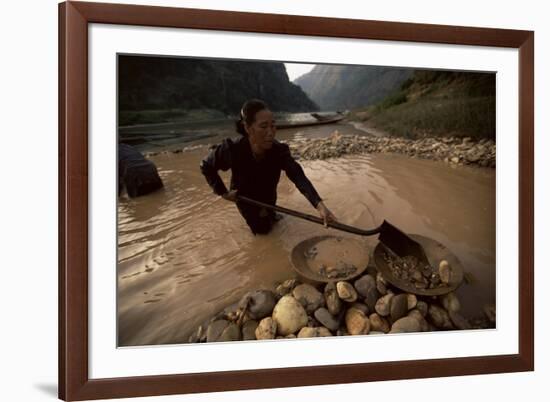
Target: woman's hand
(230, 196)
(325, 214)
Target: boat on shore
(319, 119)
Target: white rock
(289, 315)
(445, 271)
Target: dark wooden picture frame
(74, 381)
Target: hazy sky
(294, 70)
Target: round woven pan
(435, 252)
(304, 263)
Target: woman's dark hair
(248, 114)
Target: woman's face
(261, 132)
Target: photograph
(267, 200)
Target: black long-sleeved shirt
(256, 179)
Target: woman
(256, 160)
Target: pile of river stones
(452, 150)
(367, 306)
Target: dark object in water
(135, 173)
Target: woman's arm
(296, 174)
(219, 158)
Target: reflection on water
(184, 253)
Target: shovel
(390, 236)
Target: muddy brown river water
(184, 253)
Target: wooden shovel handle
(311, 218)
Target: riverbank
(452, 150)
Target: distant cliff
(162, 83)
(350, 87)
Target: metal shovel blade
(401, 244)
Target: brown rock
(230, 333)
(286, 287)
(364, 284)
(333, 301)
(459, 321)
(309, 297)
(326, 319)
(383, 304)
(381, 284)
(249, 330)
(267, 329)
(405, 324)
(308, 332)
(215, 330)
(378, 323)
(360, 306)
(398, 306)
(422, 306)
(450, 302)
(346, 291)
(356, 322)
(411, 301)
(417, 315)
(439, 317)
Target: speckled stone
(267, 329)
(356, 322)
(286, 287)
(289, 315)
(308, 332)
(346, 292)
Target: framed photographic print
(258, 200)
